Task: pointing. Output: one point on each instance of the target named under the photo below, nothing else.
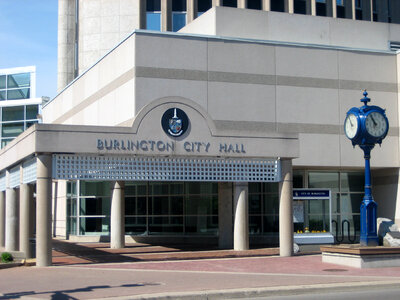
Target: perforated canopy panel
(82, 167)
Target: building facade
(214, 134)
(19, 107)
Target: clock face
(351, 126)
(376, 124)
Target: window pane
(2, 95)
(153, 21)
(178, 21)
(15, 113)
(179, 5)
(31, 112)
(230, 3)
(254, 4)
(12, 130)
(135, 225)
(277, 5)
(153, 5)
(18, 94)
(201, 225)
(2, 81)
(324, 180)
(94, 225)
(89, 188)
(18, 80)
(352, 182)
(29, 124)
(204, 5)
(4, 142)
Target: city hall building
(228, 132)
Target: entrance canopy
(171, 139)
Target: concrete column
(191, 8)
(242, 3)
(286, 209)
(166, 15)
(66, 42)
(266, 5)
(350, 9)
(216, 2)
(118, 215)
(43, 209)
(2, 219)
(311, 7)
(395, 11)
(366, 7)
(289, 6)
(331, 10)
(382, 10)
(12, 220)
(25, 214)
(241, 211)
(225, 234)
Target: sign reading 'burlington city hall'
(137, 146)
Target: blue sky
(28, 37)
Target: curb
(10, 265)
(260, 292)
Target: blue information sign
(310, 193)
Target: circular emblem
(175, 122)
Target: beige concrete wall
(102, 25)
(275, 26)
(243, 86)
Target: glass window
(230, 3)
(32, 112)
(92, 188)
(153, 15)
(153, 21)
(277, 5)
(18, 94)
(3, 95)
(203, 6)
(13, 113)
(4, 142)
(12, 129)
(324, 180)
(352, 182)
(2, 81)
(300, 7)
(179, 5)
(153, 5)
(178, 20)
(18, 80)
(29, 124)
(254, 4)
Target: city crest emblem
(175, 125)
(174, 122)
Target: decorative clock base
(368, 235)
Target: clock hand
(373, 120)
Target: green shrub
(6, 257)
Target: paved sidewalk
(212, 277)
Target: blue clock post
(366, 126)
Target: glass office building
(19, 107)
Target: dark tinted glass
(277, 5)
(230, 3)
(153, 5)
(254, 4)
(203, 5)
(300, 7)
(179, 5)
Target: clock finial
(365, 99)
